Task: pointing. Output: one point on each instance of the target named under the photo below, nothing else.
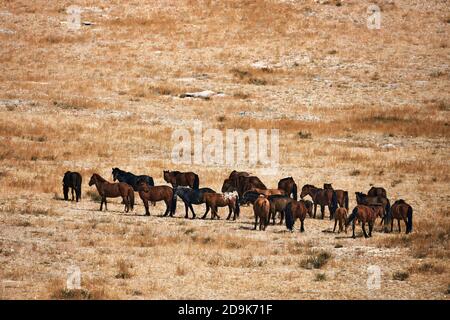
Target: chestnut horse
(177, 178)
(322, 197)
(289, 186)
(267, 192)
(341, 195)
(401, 210)
(216, 200)
(157, 193)
(363, 214)
(113, 190)
(340, 216)
(297, 210)
(261, 209)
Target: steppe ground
(355, 106)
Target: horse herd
(241, 188)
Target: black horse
(72, 180)
(190, 197)
(249, 197)
(131, 178)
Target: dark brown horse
(341, 195)
(177, 178)
(340, 216)
(73, 181)
(232, 183)
(321, 197)
(376, 201)
(363, 214)
(401, 210)
(216, 200)
(248, 183)
(261, 209)
(377, 192)
(289, 186)
(297, 210)
(278, 203)
(113, 190)
(157, 193)
(267, 192)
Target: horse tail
(294, 191)
(346, 200)
(352, 216)
(387, 208)
(409, 223)
(334, 204)
(150, 182)
(131, 198)
(196, 182)
(289, 217)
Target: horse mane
(99, 177)
(400, 201)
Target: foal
(261, 208)
(113, 190)
(340, 216)
(216, 200)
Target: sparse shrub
(305, 135)
(316, 260)
(338, 245)
(320, 277)
(355, 172)
(221, 118)
(400, 275)
(123, 270)
(180, 271)
(94, 196)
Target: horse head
(93, 179)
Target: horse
(157, 193)
(261, 209)
(190, 197)
(177, 178)
(363, 214)
(401, 210)
(130, 178)
(249, 197)
(340, 215)
(246, 183)
(234, 175)
(278, 203)
(216, 200)
(297, 210)
(268, 192)
(322, 197)
(289, 186)
(73, 181)
(113, 190)
(377, 192)
(364, 199)
(341, 195)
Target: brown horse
(289, 186)
(267, 192)
(157, 193)
(177, 178)
(247, 183)
(374, 202)
(232, 183)
(261, 209)
(113, 190)
(216, 200)
(322, 197)
(341, 195)
(340, 216)
(297, 210)
(278, 203)
(377, 192)
(363, 214)
(401, 210)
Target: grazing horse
(278, 203)
(341, 195)
(363, 214)
(246, 183)
(113, 190)
(130, 178)
(366, 200)
(72, 180)
(401, 210)
(177, 178)
(157, 193)
(190, 197)
(268, 192)
(322, 197)
(289, 186)
(340, 216)
(261, 209)
(216, 200)
(229, 185)
(297, 210)
(377, 192)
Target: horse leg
(101, 204)
(256, 221)
(315, 209)
(302, 226)
(106, 205)
(322, 210)
(72, 193)
(399, 228)
(353, 229)
(125, 201)
(392, 224)
(147, 212)
(281, 217)
(335, 223)
(370, 228)
(187, 211)
(206, 212)
(363, 226)
(406, 224)
(192, 210)
(229, 212)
